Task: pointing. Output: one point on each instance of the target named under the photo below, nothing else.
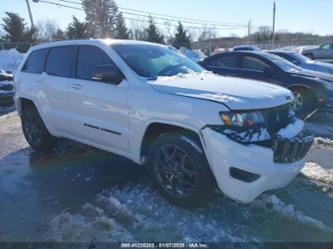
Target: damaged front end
(256, 151)
(276, 128)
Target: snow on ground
(10, 60)
(97, 209)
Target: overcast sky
(293, 15)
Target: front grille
(6, 87)
(277, 118)
(291, 150)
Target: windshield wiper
(151, 78)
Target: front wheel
(304, 102)
(180, 171)
(35, 131)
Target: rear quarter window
(35, 62)
(60, 61)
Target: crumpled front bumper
(223, 154)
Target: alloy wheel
(298, 102)
(175, 170)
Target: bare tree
(46, 30)
(207, 33)
(263, 33)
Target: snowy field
(77, 193)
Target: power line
(138, 20)
(172, 18)
(183, 18)
(188, 22)
(60, 5)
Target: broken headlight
(244, 127)
(243, 119)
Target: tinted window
(35, 62)
(254, 63)
(89, 57)
(224, 61)
(59, 61)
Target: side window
(59, 61)
(325, 46)
(224, 61)
(36, 61)
(253, 63)
(88, 58)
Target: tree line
(102, 20)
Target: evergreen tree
(77, 29)
(153, 34)
(121, 31)
(59, 35)
(101, 17)
(181, 38)
(15, 28)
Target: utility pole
(249, 27)
(274, 14)
(30, 14)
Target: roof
(92, 41)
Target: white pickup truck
(193, 130)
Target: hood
(314, 75)
(235, 93)
(327, 66)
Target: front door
(99, 112)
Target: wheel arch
(23, 102)
(157, 128)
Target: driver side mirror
(108, 73)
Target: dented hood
(235, 93)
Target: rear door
(99, 111)
(54, 84)
(223, 64)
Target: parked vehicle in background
(6, 88)
(190, 128)
(322, 52)
(246, 48)
(303, 61)
(312, 90)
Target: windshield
(282, 63)
(151, 61)
(300, 58)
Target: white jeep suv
(193, 130)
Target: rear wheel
(35, 131)
(304, 102)
(180, 172)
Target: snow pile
(324, 141)
(86, 228)
(288, 211)
(189, 75)
(317, 173)
(10, 60)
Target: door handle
(76, 86)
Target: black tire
(308, 101)
(179, 170)
(35, 131)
